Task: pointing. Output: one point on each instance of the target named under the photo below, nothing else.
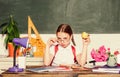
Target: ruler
(36, 42)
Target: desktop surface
(74, 73)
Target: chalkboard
(93, 16)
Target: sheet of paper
(105, 71)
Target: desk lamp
(18, 42)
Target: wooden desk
(74, 73)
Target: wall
(109, 40)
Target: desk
(74, 73)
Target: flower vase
(11, 50)
(112, 62)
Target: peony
(100, 54)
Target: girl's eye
(65, 38)
(58, 38)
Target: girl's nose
(62, 41)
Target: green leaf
(4, 30)
(10, 29)
(6, 41)
(3, 25)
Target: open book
(49, 68)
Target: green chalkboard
(93, 16)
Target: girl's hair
(67, 29)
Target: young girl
(60, 50)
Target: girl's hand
(86, 41)
(52, 41)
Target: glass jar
(112, 61)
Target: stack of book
(106, 69)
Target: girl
(60, 50)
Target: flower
(116, 53)
(100, 54)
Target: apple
(84, 35)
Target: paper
(110, 69)
(49, 68)
(107, 69)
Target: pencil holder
(22, 62)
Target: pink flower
(108, 49)
(102, 50)
(100, 54)
(116, 53)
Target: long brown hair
(67, 29)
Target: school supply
(49, 69)
(36, 42)
(107, 69)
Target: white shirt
(64, 55)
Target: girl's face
(63, 39)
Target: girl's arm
(82, 57)
(47, 56)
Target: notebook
(49, 69)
